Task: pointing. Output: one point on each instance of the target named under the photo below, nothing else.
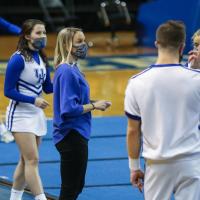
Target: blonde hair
(196, 34)
(64, 45)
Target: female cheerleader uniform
(24, 82)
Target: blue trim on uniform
(190, 69)
(16, 103)
(166, 65)
(199, 126)
(135, 117)
(30, 84)
(38, 93)
(8, 122)
(140, 73)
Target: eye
(196, 44)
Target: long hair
(64, 45)
(22, 45)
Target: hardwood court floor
(109, 85)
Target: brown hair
(22, 46)
(64, 45)
(171, 34)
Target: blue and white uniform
(24, 82)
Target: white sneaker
(6, 136)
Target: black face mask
(81, 51)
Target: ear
(181, 48)
(27, 37)
(156, 44)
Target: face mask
(81, 51)
(39, 43)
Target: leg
(19, 176)
(188, 189)
(73, 150)
(27, 144)
(158, 183)
(188, 184)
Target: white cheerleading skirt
(25, 118)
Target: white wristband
(134, 164)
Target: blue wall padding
(155, 12)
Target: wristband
(134, 164)
(93, 106)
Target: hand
(194, 59)
(137, 179)
(102, 105)
(41, 103)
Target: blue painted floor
(107, 176)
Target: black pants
(73, 151)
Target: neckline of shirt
(166, 65)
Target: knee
(33, 160)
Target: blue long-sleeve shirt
(14, 69)
(71, 92)
(9, 27)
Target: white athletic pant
(181, 178)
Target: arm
(9, 27)
(69, 94)
(134, 147)
(134, 142)
(133, 137)
(47, 85)
(13, 71)
(70, 105)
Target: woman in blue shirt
(27, 75)
(72, 111)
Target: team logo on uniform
(40, 75)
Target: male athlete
(162, 104)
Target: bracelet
(134, 164)
(93, 106)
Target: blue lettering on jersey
(40, 75)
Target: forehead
(79, 35)
(196, 39)
(38, 27)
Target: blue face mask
(39, 43)
(81, 51)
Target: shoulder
(65, 69)
(139, 75)
(17, 57)
(188, 68)
(16, 61)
